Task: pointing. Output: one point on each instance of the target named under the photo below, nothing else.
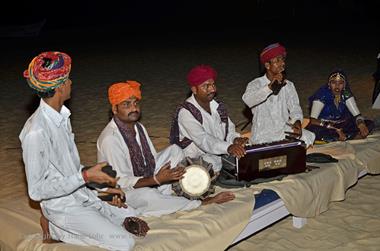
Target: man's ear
(194, 89)
(114, 109)
(267, 65)
(59, 89)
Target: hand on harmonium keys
(241, 141)
(236, 150)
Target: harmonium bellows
(271, 159)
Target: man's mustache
(132, 113)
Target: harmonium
(268, 160)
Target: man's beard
(211, 95)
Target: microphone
(276, 87)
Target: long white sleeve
(193, 130)
(293, 104)
(255, 93)
(232, 134)
(42, 183)
(111, 151)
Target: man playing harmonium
(145, 175)
(274, 102)
(201, 126)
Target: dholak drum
(198, 182)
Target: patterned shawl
(142, 159)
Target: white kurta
(52, 166)
(208, 137)
(272, 114)
(149, 201)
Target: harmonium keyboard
(268, 160)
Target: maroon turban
(200, 74)
(272, 51)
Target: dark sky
(195, 14)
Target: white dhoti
(95, 225)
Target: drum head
(196, 180)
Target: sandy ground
(161, 64)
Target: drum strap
(174, 131)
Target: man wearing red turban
(274, 101)
(72, 212)
(201, 125)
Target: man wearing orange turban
(119, 92)
(54, 174)
(125, 144)
(274, 101)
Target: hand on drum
(220, 198)
(236, 150)
(167, 174)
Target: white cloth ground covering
(305, 195)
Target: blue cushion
(265, 197)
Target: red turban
(119, 92)
(200, 74)
(272, 51)
(48, 70)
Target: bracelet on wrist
(156, 180)
(84, 175)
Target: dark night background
(164, 17)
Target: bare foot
(220, 198)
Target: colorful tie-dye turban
(272, 51)
(200, 74)
(48, 70)
(119, 92)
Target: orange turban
(119, 92)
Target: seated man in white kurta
(274, 101)
(145, 175)
(201, 126)
(54, 174)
